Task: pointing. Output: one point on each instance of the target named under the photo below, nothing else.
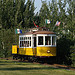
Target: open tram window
(20, 38)
(30, 43)
(25, 41)
(40, 40)
(53, 40)
(21, 43)
(47, 40)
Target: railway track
(58, 66)
(50, 65)
(62, 67)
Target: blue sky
(38, 5)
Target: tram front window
(40, 40)
(53, 40)
(47, 40)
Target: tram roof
(38, 32)
(43, 32)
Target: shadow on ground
(26, 68)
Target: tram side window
(21, 43)
(47, 40)
(53, 40)
(40, 40)
(28, 42)
(25, 41)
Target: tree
(28, 14)
(71, 19)
(7, 38)
(53, 9)
(63, 51)
(44, 13)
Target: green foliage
(63, 51)
(44, 12)
(28, 14)
(73, 53)
(16, 13)
(6, 41)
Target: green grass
(9, 67)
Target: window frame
(45, 41)
(51, 35)
(53, 40)
(24, 40)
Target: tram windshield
(53, 40)
(40, 40)
(47, 40)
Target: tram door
(34, 46)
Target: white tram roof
(38, 31)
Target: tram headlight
(48, 51)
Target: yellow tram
(37, 42)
